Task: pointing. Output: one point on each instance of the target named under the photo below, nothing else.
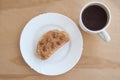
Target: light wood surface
(99, 60)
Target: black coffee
(94, 17)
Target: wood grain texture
(99, 61)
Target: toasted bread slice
(51, 42)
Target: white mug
(102, 33)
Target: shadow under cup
(95, 17)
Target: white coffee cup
(102, 33)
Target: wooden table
(99, 61)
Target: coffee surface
(94, 17)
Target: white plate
(63, 59)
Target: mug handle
(105, 36)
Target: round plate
(64, 58)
